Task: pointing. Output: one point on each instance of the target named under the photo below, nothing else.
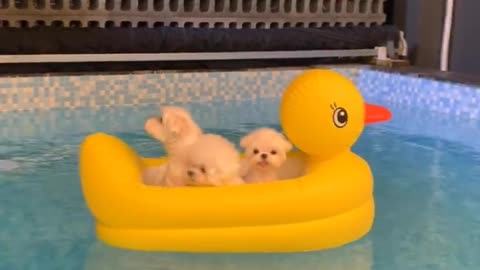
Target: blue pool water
(427, 192)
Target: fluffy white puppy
(155, 176)
(265, 152)
(212, 161)
(177, 130)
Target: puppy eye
(160, 119)
(255, 151)
(273, 152)
(203, 170)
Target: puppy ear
(245, 141)
(287, 145)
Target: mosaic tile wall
(98, 91)
(409, 91)
(131, 90)
(44, 107)
(33, 107)
(48, 124)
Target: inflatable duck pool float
(332, 204)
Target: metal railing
(191, 13)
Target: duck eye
(273, 152)
(340, 117)
(255, 151)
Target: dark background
(465, 46)
(422, 21)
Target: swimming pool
(425, 163)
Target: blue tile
(444, 97)
(153, 88)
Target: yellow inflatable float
(322, 113)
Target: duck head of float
(323, 113)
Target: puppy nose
(190, 173)
(264, 156)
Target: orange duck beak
(376, 114)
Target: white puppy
(177, 130)
(265, 152)
(212, 161)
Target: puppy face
(265, 148)
(212, 161)
(196, 175)
(173, 125)
(208, 173)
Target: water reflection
(356, 256)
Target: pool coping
(443, 76)
(412, 71)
